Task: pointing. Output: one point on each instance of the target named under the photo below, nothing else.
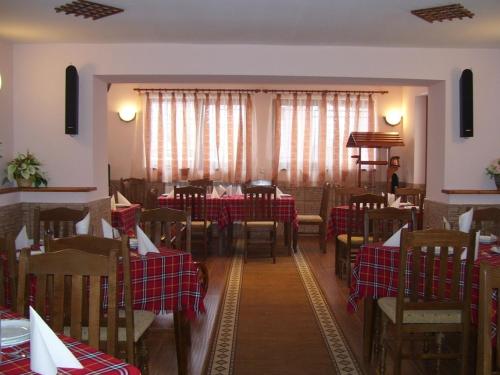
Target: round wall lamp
(393, 118)
(127, 113)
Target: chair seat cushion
(309, 219)
(388, 306)
(260, 224)
(198, 225)
(355, 240)
(142, 320)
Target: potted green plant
(25, 170)
(493, 170)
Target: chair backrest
(259, 203)
(85, 271)
(202, 182)
(192, 199)
(440, 288)
(8, 266)
(134, 189)
(168, 226)
(343, 194)
(105, 246)
(489, 281)
(325, 201)
(412, 195)
(381, 224)
(57, 222)
(486, 219)
(357, 205)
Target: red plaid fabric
(213, 206)
(337, 222)
(225, 210)
(92, 360)
(123, 218)
(376, 270)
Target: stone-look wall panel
(11, 218)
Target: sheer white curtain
(311, 132)
(203, 135)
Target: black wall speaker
(466, 104)
(71, 124)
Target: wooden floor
(161, 339)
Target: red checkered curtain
(193, 135)
(311, 131)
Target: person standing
(392, 177)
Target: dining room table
(15, 359)
(227, 210)
(375, 275)
(124, 218)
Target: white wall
(39, 87)
(122, 136)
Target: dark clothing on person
(394, 183)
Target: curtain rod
(196, 90)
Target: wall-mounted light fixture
(127, 113)
(393, 118)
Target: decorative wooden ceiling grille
(442, 13)
(88, 9)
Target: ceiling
(285, 22)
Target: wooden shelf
(469, 191)
(50, 189)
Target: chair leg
(286, 229)
(397, 357)
(245, 244)
(337, 245)
(295, 236)
(273, 246)
(465, 350)
(348, 267)
(180, 344)
(322, 238)
(383, 349)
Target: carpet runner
(275, 320)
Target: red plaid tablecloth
(337, 222)
(375, 274)
(233, 210)
(213, 206)
(166, 281)
(124, 218)
(92, 360)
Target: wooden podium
(373, 140)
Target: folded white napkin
(113, 203)
(122, 199)
(238, 190)
(108, 231)
(390, 199)
(220, 190)
(396, 203)
(229, 190)
(82, 227)
(47, 351)
(171, 194)
(22, 239)
(144, 243)
(215, 194)
(279, 193)
(465, 221)
(446, 224)
(395, 239)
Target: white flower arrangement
(493, 169)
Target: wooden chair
(486, 219)
(348, 243)
(204, 183)
(416, 197)
(320, 220)
(425, 310)
(8, 267)
(51, 270)
(134, 189)
(342, 194)
(133, 324)
(167, 226)
(259, 217)
(489, 281)
(193, 199)
(381, 224)
(57, 222)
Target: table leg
(286, 233)
(295, 235)
(181, 342)
(368, 327)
